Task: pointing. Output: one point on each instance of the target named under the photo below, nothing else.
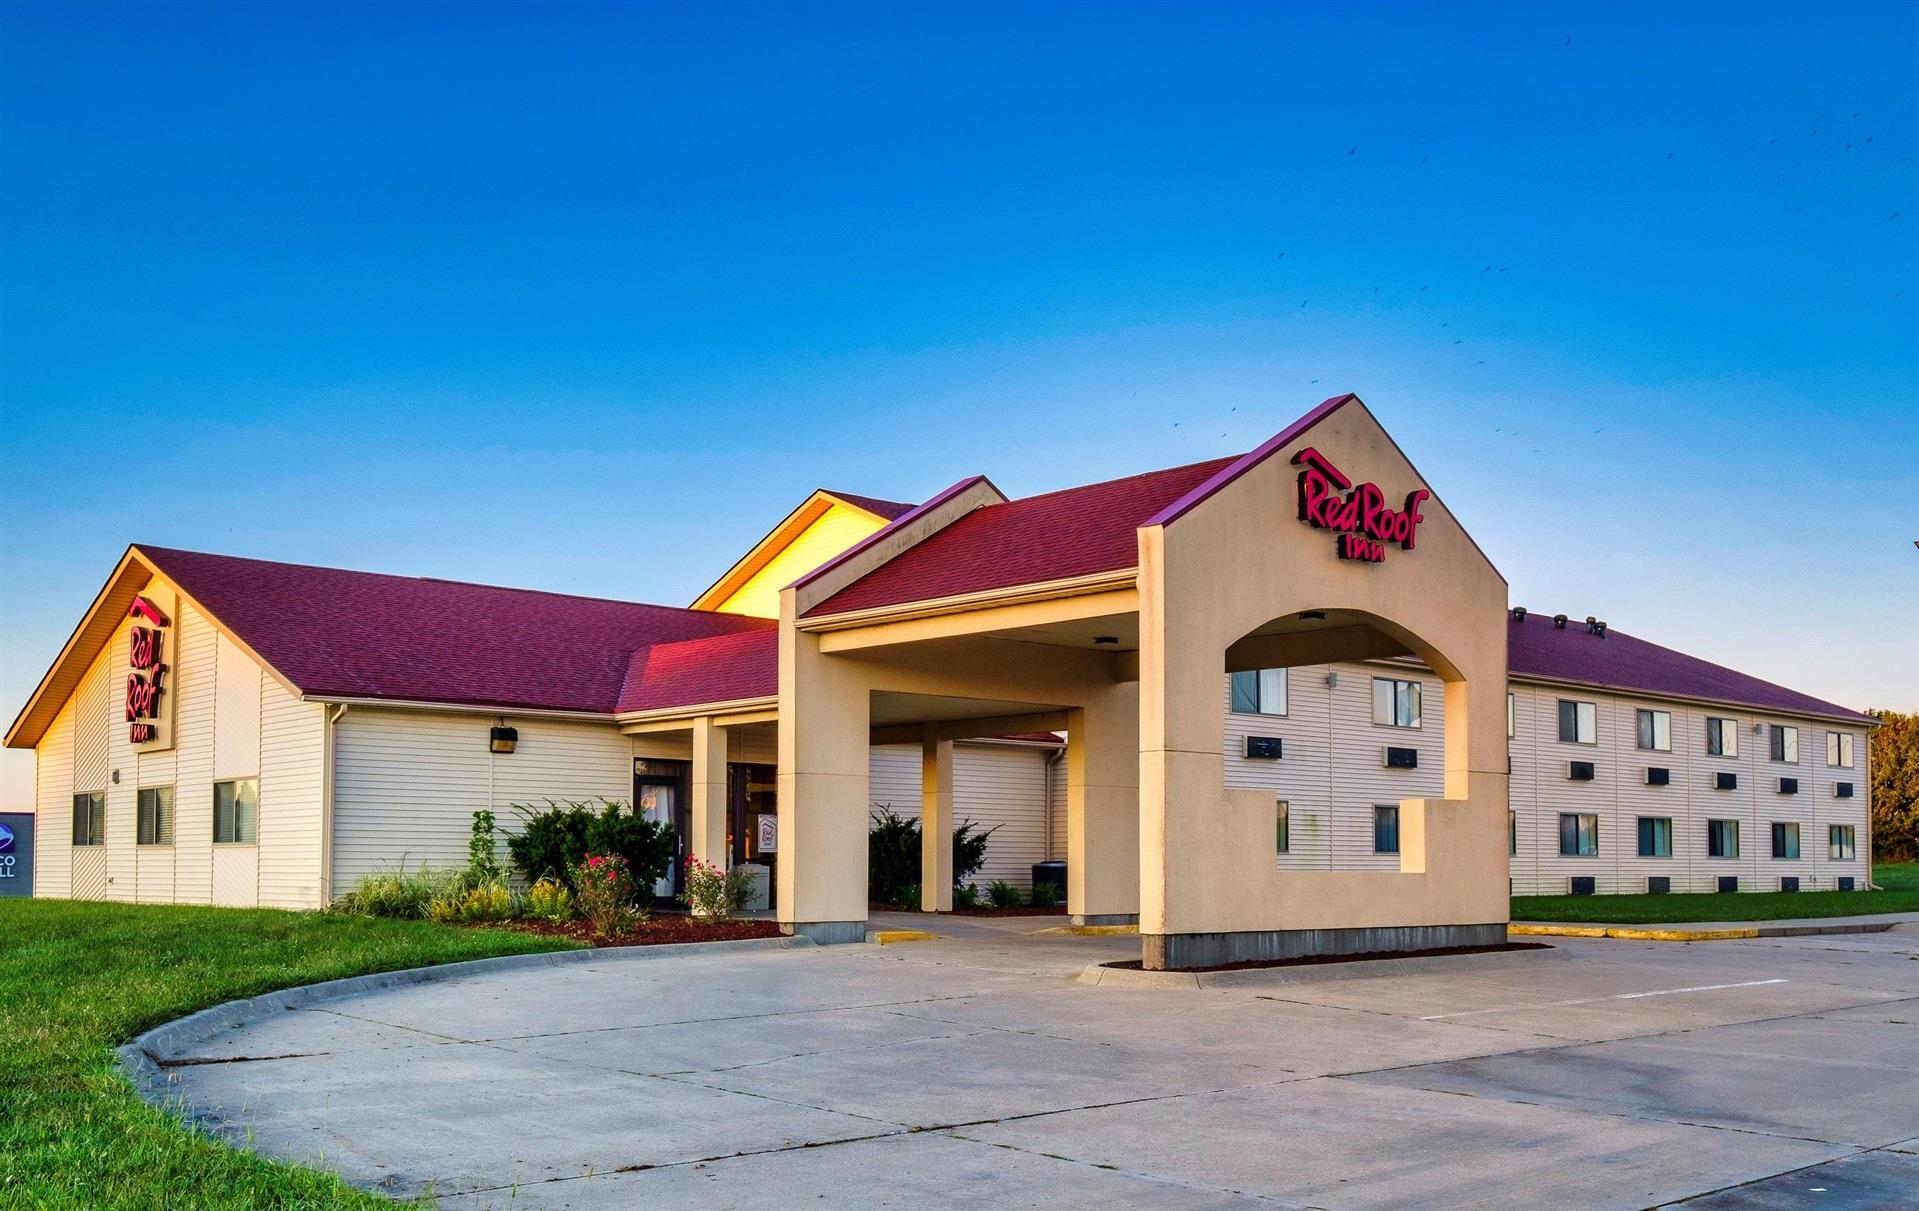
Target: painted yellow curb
(886, 937)
(1090, 931)
(1632, 935)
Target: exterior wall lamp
(503, 739)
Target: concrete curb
(1647, 934)
(1308, 973)
(170, 1039)
(1089, 931)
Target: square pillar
(708, 842)
(936, 826)
(824, 735)
(1102, 809)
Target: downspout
(331, 715)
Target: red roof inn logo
(147, 671)
(1363, 520)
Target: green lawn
(1899, 881)
(77, 979)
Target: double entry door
(661, 792)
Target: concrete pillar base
(1181, 951)
(827, 933)
(1104, 918)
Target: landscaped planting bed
(664, 929)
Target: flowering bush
(606, 894)
(549, 900)
(715, 894)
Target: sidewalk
(1714, 931)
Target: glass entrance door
(659, 794)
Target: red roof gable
(1054, 536)
(336, 633)
(1537, 648)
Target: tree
(1894, 752)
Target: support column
(708, 842)
(824, 726)
(936, 825)
(1102, 809)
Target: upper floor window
(90, 818)
(236, 811)
(1259, 692)
(1578, 722)
(155, 816)
(1395, 702)
(1839, 750)
(1785, 743)
(1655, 836)
(1722, 738)
(1655, 730)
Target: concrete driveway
(975, 1071)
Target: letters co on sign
(1365, 523)
(149, 699)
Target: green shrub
(965, 895)
(553, 841)
(482, 852)
(549, 900)
(607, 894)
(909, 897)
(491, 902)
(715, 894)
(401, 893)
(1047, 895)
(893, 854)
(1004, 895)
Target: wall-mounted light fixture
(1332, 679)
(1312, 616)
(503, 739)
(1105, 639)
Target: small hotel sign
(1363, 520)
(149, 699)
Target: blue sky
(585, 297)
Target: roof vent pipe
(1519, 613)
(1559, 622)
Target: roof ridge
(465, 584)
(1120, 479)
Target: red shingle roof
(716, 668)
(336, 633)
(1537, 648)
(1054, 536)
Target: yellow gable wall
(832, 532)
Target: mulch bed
(1367, 957)
(665, 929)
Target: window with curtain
(236, 811)
(1655, 730)
(1259, 692)
(1785, 743)
(1839, 842)
(90, 818)
(154, 822)
(1386, 829)
(1578, 722)
(1283, 826)
(1722, 838)
(1839, 750)
(1722, 738)
(1578, 834)
(1785, 839)
(1655, 836)
(1395, 702)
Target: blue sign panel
(16, 854)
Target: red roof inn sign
(1363, 520)
(149, 699)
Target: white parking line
(1618, 996)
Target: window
(90, 818)
(1578, 834)
(1509, 716)
(1578, 722)
(1839, 842)
(1839, 750)
(1385, 830)
(1512, 831)
(1259, 692)
(155, 816)
(1722, 738)
(1655, 730)
(1785, 743)
(1785, 839)
(1655, 836)
(1283, 826)
(1395, 703)
(1722, 838)
(236, 812)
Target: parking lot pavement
(975, 1071)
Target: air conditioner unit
(1579, 771)
(1845, 883)
(1725, 782)
(1842, 790)
(1401, 758)
(1658, 775)
(1265, 748)
(1728, 882)
(1789, 786)
(1658, 885)
(1583, 885)
(1788, 882)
